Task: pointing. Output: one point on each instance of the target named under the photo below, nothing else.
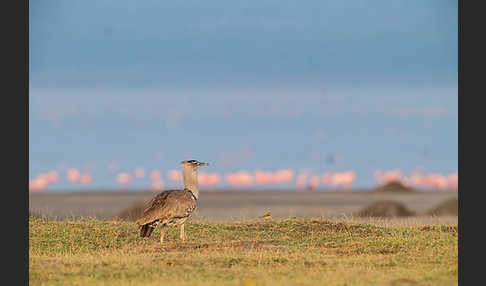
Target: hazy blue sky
(317, 85)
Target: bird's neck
(190, 180)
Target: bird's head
(193, 164)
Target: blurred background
(278, 96)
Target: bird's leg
(183, 237)
(162, 234)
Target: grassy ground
(284, 252)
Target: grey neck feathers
(190, 180)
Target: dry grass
(284, 252)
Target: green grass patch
(286, 252)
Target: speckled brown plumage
(168, 207)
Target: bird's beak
(204, 164)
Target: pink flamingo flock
(258, 178)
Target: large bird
(172, 207)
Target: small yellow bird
(266, 216)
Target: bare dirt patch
(443, 228)
(304, 226)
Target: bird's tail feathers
(146, 230)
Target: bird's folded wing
(168, 204)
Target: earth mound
(447, 207)
(393, 186)
(385, 208)
(132, 213)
